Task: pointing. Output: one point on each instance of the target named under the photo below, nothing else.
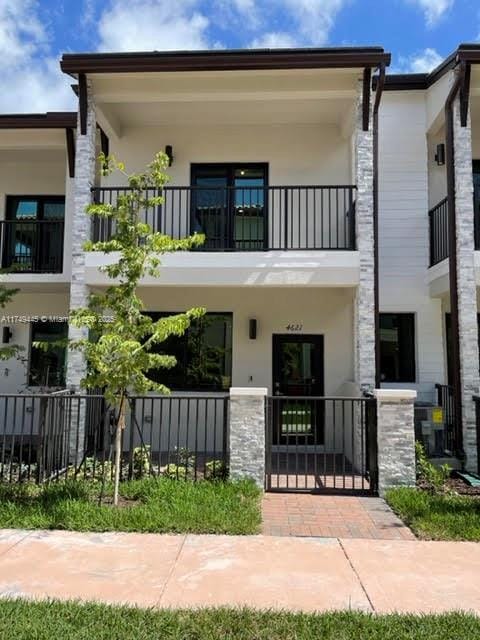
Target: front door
(297, 376)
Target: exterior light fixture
(6, 335)
(169, 153)
(252, 329)
(440, 155)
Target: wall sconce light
(252, 329)
(169, 153)
(6, 335)
(440, 155)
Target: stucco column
(365, 295)
(247, 434)
(466, 284)
(85, 159)
(395, 438)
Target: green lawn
(437, 517)
(158, 505)
(20, 620)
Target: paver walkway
(297, 514)
(258, 571)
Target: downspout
(378, 97)
(452, 257)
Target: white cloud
(433, 9)
(144, 25)
(311, 22)
(273, 40)
(29, 75)
(420, 62)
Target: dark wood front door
(297, 375)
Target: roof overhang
(49, 120)
(243, 59)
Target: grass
(22, 620)
(437, 516)
(159, 506)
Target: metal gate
(320, 444)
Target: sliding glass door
(229, 206)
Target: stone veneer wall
(395, 438)
(247, 434)
(85, 159)
(466, 283)
(365, 298)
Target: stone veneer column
(365, 298)
(85, 159)
(247, 434)
(466, 283)
(395, 438)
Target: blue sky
(34, 33)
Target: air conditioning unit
(430, 428)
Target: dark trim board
(239, 59)
(49, 120)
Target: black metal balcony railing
(33, 246)
(438, 217)
(248, 218)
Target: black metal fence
(439, 243)
(248, 218)
(50, 436)
(321, 444)
(446, 400)
(32, 246)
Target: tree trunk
(118, 450)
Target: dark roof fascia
(49, 120)
(420, 81)
(345, 57)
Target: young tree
(118, 351)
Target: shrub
(429, 476)
(215, 470)
(141, 461)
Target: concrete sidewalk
(258, 571)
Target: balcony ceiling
(260, 97)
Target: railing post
(395, 438)
(285, 204)
(247, 434)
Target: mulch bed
(461, 487)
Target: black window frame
(41, 199)
(409, 375)
(42, 355)
(164, 348)
(227, 239)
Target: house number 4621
(294, 326)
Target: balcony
(248, 219)
(438, 228)
(33, 246)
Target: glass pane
(397, 347)
(47, 369)
(249, 210)
(204, 355)
(53, 210)
(23, 209)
